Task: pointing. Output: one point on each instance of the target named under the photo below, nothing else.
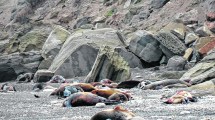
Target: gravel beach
(22, 105)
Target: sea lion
(85, 99)
(57, 79)
(108, 92)
(6, 87)
(26, 77)
(118, 113)
(128, 84)
(87, 87)
(38, 86)
(105, 92)
(66, 90)
(181, 97)
(118, 97)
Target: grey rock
(79, 63)
(163, 60)
(201, 72)
(110, 65)
(190, 37)
(171, 42)
(145, 46)
(82, 21)
(210, 56)
(176, 63)
(52, 45)
(43, 76)
(54, 42)
(3, 45)
(133, 61)
(79, 51)
(158, 3)
(144, 14)
(166, 52)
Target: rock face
(110, 65)
(33, 40)
(145, 46)
(14, 64)
(79, 51)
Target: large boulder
(145, 46)
(132, 59)
(109, 64)
(171, 42)
(17, 63)
(54, 42)
(53, 45)
(79, 51)
(177, 28)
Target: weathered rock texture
(79, 51)
(109, 64)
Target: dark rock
(82, 21)
(158, 3)
(43, 76)
(210, 16)
(14, 64)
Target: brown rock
(200, 44)
(207, 47)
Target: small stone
(188, 53)
(190, 37)
(100, 105)
(184, 112)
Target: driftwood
(164, 83)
